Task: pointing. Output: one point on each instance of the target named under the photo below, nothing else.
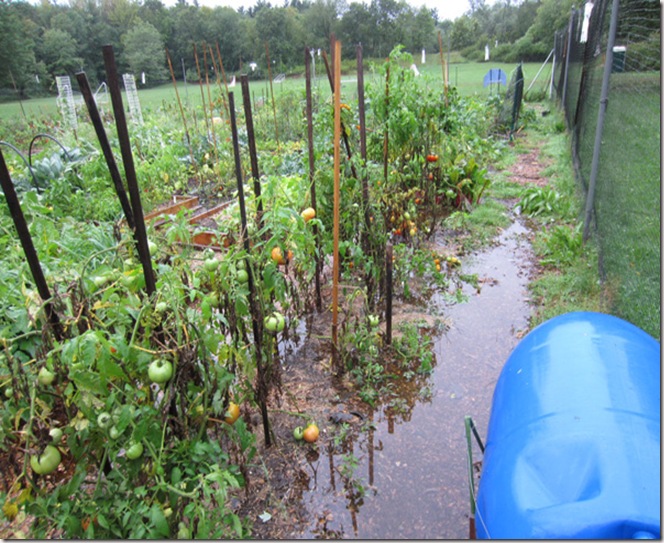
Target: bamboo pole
(274, 106)
(442, 63)
(221, 91)
(223, 74)
(337, 168)
(184, 118)
(200, 85)
(209, 93)
(312, 180)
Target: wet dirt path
(408, 477)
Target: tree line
(39, 42)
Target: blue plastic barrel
(573, 443)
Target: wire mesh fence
(608, 81)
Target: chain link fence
(608, 81)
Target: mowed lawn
(467, 77)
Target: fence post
(567, 55)
(604, 98)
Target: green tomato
(211, 264)
(275, 322)
(298, 433)
(56, 435)
(242, 276)
(183, 531)
(153, 247)
(406, 216)
(45, 376)
(160, 371)
(241, 264)
(160, 307)
(373, 320)
(47, 462)
(100, 280)
(134, 451)
(104, 420)
(114, 433)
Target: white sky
(447, 9)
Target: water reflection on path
(412, 469)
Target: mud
(402, 472)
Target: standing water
(407, 478)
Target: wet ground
(402, 472)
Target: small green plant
(536, 201)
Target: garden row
(125, 389)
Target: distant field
(467, 77)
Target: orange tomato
(232, 413)
(278, 256)
(308, 214)
(310, 433)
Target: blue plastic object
(573, 443)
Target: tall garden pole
(29, 248)
(386, 134)
(274, 106)
(312, 180)
(388, 293)
(442, 64)
(343, 129)
(337, 168)
(182, 115)
(223, 74)
(130, 173)
(253, 153)
(98, 124)
(200, 84)
(209, 93)
(256, 314)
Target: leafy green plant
(537, 201)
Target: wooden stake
(442, 63)
(337, 168)
(184, 118)
(274, 107)
(223, 74)
(200, 84)
(207, 84)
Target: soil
(284, 484)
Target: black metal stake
(312, 171)
(388, 294)
(98, 124)
(140, 234)
(28, 247)
(253, 154)
(256, 316)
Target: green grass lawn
(467, 77)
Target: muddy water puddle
(402, 472)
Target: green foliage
(539, 201)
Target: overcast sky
(447, 9)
